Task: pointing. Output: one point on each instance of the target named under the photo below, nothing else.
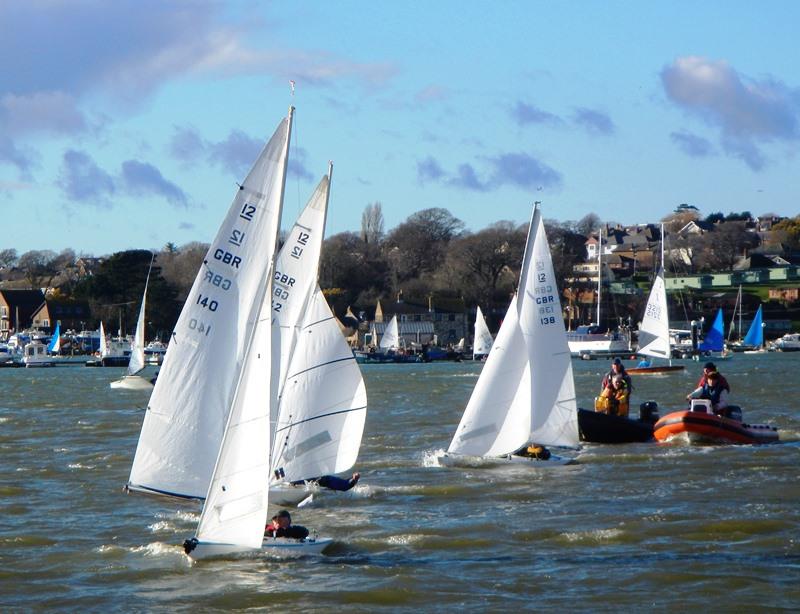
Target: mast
(599, 270)
(666, 303)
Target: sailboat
(113, 354)
(322, 401)
(654, 329)
(206, 432)
(525, 393)
(389, 347)
(483, 338)
(594, 339)
(132, 380)
(54, 347)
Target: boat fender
(189, 545)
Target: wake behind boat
(700, 425)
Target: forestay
(190, 405)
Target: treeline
(429, 256)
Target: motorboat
(790, 342)
(602, 427)
(35, 354)
(700, 425)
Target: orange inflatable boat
(700, 425)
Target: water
(628, 527)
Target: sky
(127, 124)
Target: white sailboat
(323, 401)
(391, 336)
(132, 380)
(654, 330)
(206, 432)
(525, 393)
(483, 338)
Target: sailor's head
(617, 381)
(616, 365)
(709, 367)
(283, 519)
(712, 377)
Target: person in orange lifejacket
(281, 526)
(617, 393)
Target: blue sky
(126, 124)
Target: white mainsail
(483, 338)
(197, 384)
(136, 362)
(654, 329)
(103, 343)
(391, 336)
(525, 392)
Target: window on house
(451, 317)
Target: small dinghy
(600, 427)
(272, 547)
(699, 425)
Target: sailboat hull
(463, 460)
(286, 494)
(131, 382)
(598, 427)
(272, 547)
(655, 370)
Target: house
(71, 314)
(786, 295)
(444, 323)
(17, 308)
(87, 266)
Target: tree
(588, 224)
(359, 269)
(479, 265)
(38, 267)
(787, 231)
(418, 245)
(675, 221)
(722, 248)
(372, 224)
(8, 257)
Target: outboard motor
(648, 412)
(734, 412)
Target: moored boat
(699, 425)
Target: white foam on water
(430, 458)
(596, 535)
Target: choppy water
(628, 527)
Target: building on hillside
(87, 266)
(16, 310)
(72, 315)
(786, 295)
(443, 323)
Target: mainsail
(654, 329)
(391, 336)
(483, 338)
(755, 334)
(197, 384)
(136, 362)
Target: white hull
(461, 460)
(284, 494)
(272, 547)
(132, 382)
(601, 345)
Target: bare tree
(372, 224)
(8, 257)
(588, 224)
(38, 267)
